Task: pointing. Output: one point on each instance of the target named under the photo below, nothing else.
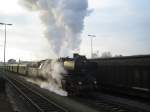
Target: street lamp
(5, 24)
(91, 36)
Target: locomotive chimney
(75, 55)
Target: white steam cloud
(53, 71)
(64, 21)
(50, 76)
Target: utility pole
(91, 36)
(5, 24)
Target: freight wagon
(128, 74)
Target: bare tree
(11, 61)
(118, 55)
(106, 54)
(95, 54)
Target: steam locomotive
(80, 76)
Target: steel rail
(22, 93)
(44, 106)
(110, 103)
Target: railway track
(132, 104)
(42, 104)
(110, 103)
(102, 105)
(109, 107)
(39, 102)
(100, 102)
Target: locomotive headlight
(95, 82)
(80, 83)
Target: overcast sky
(120, 26)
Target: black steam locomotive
(80, 76)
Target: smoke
(50, 76)
(64, 21)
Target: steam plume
(64, 21)
(53, 70)
(50, 76)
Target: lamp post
(91, 36)
(5, 24)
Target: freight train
(78, 78)
(128, 75)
